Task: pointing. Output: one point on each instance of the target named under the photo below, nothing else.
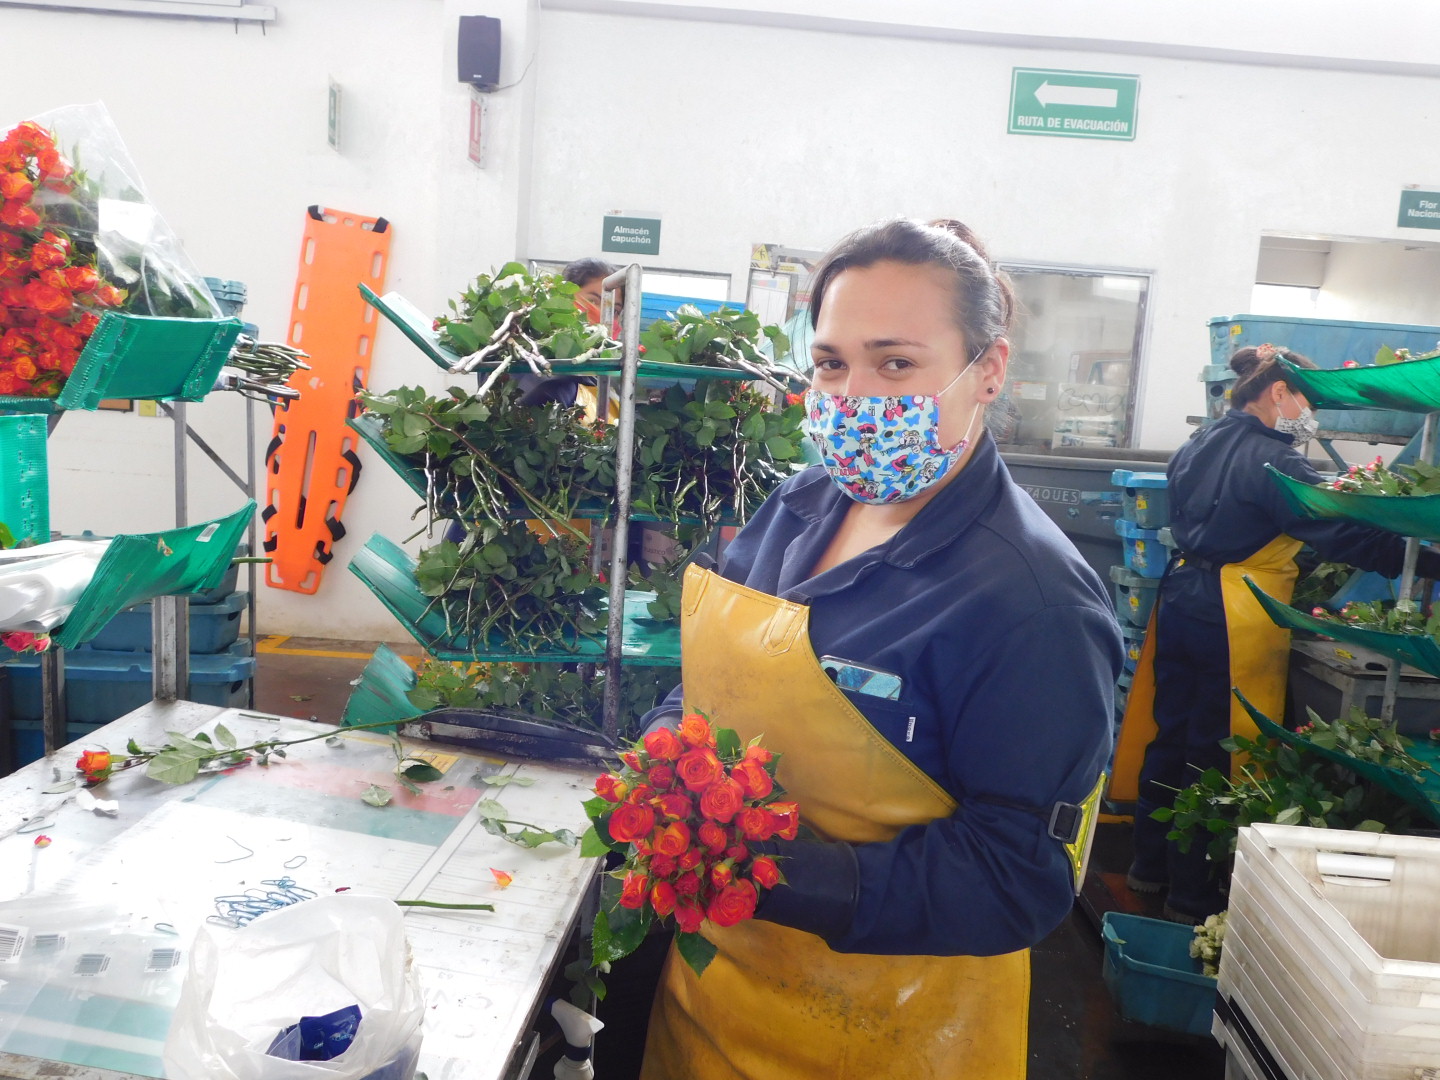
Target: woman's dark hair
(582, 270)
(1258, 368)
(984, 302)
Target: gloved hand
(1428, 564)
(822, 884)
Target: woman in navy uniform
(1209, 633)
(949, 771)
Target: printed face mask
(881, 449)
(1302, 428)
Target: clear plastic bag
(109, 211)
(244, 987)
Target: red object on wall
(311, 465)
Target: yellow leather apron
(1259, 660)
(777, 1003)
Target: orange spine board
(311, 464)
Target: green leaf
(133, 747)
(499, 780)
(1370, 825)
(531, 838)
(592, 845)
(727, 743)
(618, 931)
(781, 448)
(226, 739)
(1289, 816)
(375, 795)
(489, 808)
(696, 950)
(466, 340)
(422, 772)
(173, 767)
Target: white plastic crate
(1334, 947)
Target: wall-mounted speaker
(480, 51)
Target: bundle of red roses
(685, 808)
(51, 294)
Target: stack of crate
(1144, 512)
(1331, 963)
(112, 674)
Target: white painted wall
(1381, 283)
(739, 121)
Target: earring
(991, 389)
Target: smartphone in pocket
(861, 678)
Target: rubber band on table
(240, 909)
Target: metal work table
(157, 866)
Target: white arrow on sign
(1097, 96)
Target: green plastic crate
(24, 478)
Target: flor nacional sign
(1419, 209)
(1073, 104)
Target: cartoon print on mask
(890, 448)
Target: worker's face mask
(882, 449)
(1301, 427)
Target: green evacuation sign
(1419, 209)
(1073, 104)
(631, 235)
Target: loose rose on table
(684, 808)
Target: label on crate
(207, 532)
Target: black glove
(822, 884)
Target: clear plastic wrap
(78, 237)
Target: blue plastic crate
(1152, 976)
(1144, 553)
(1330, 343)
(1134, 596)
(1145, 498)
(213, 627)
(27, 740)
(102, 686)
(1219, 380)
(655, 306)
(1134, 641)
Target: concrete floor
(1076, 1033)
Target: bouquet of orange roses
(684, 809)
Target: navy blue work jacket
(1224, 508)
(1008, 649)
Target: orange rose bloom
(662, 898)
(688, 917)
(18, 215)
(9, 384)
(765, 872)
(46, 256)
(713, 837)
(674, 806)
(787, 819)
(755, 823)
(672, 840)
(95, 764)
(630, 823)
(687, 885)
(611, 788)
(632, 760)
(632, 891)
(699, 768)
(663, 866)
(721, 874)
(661, 777)
(722, 800)
(694, 730)
(732, 904)
(47, 299)
(690, 860)
(753, 779)
(81, 278)
(26, 369)
(663, 745)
